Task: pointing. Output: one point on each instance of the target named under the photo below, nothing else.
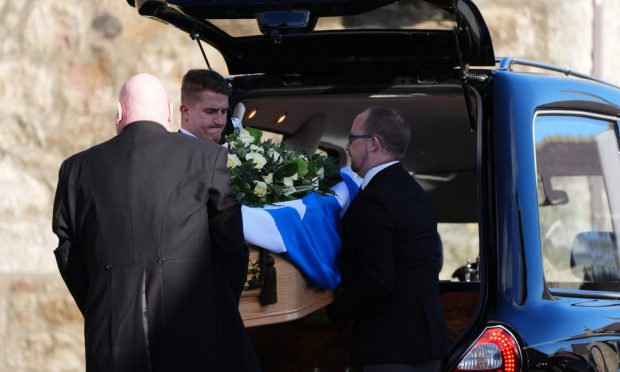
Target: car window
(578, 172)
(400, 15)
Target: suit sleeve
(374, 256)
(69, 254)
(226, 227)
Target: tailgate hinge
(196, 36)
(464, 72)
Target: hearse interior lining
(442, 152)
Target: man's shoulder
(393, 176)
(195, 142)
(395, 183)
(89, 152)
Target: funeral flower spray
(266, 172)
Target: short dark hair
(198, 80)
(391, 128)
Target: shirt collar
(373, 172)
(184, 131)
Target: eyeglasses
(353, 137)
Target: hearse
(520, 159)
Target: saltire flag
(306, 231)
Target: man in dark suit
(151, 245)
(391, 255)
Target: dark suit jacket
(390, 272)
(151, 248)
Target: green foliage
(265, 172)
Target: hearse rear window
(402, 15)
(578, 171)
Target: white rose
(268, 179)
(256, 148)
(321, 173)
(287, 181)
(260, 188)
(258, 159)
(289, 190)
(233, 161)
(275, 155)
(246, 138)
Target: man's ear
(375, 144)
(119, 112)
(184, 110)
(170, 113)
(119, 117)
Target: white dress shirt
(182, 130)
(373, 171)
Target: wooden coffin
(296, 297)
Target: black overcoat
(151, 248)
(390, 272)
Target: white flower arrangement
(265, 172)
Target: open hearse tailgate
(333, 36)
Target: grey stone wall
(61, 65)
(558, 32)
(40, 327)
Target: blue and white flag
(306, 231)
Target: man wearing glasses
(391, 255)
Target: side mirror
(555, 197)
(550, 195)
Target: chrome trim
(575, 113)
(582, 293)
(506, 63)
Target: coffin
(296, 296)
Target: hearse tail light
(495, 350)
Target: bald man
(151, 245)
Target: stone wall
(41, 328)
(61, 65)
(536, 31)
(558, 32)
